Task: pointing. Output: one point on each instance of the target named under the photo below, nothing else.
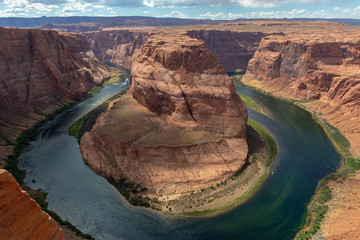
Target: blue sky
(204, 9)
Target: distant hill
(83, 24)
(106, 21)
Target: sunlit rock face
(20, 216)
(181, 126)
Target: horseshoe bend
(176, 135)
(180, 128)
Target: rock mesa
(181, 126)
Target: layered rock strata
(20, 216)
(181, 127)
(39, 72)
(233, 49)
(117, 46)
(318, 67)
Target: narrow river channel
(76, 193)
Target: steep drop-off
(39, 72)
(233, 49)
(20, 216)
(181, 127)
(118, 46)
(314, 67)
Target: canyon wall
(181, 127)
(233, 49)
(118, 46)
(39, 72)
(314, 67)
(20, 216)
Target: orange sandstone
(20, 216)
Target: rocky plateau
(181, 126)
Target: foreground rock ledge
(180, 128)
(20, 216)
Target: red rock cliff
(320, 66)
(233, 49)
(181, 127)
(39, 72)
(118, 46)
(20, 216)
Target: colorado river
(305, 155)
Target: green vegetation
(40, 197)
(237, 76)
(198, 213)
(317, 209)
(122, 74)
(113, 79)
(86, 122)
(250, 103)
(131, 192)
(272, 150)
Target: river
(276, 211)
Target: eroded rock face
(20, 216)
(322, 67)
(233, 49)
(39, 72)
(182, 79)
(118, 46)
(181, 126)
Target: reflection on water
(305, 155)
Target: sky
(197, 9)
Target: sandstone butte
(39, 72)
(181, 126)
(20, 216)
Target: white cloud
(148, 3)
(210, 15)
(98, 6)
(74, 6)
(232, 16)
(146, 12)
(25, 8)
(112, 12)
(260, 3)
(176, 14)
